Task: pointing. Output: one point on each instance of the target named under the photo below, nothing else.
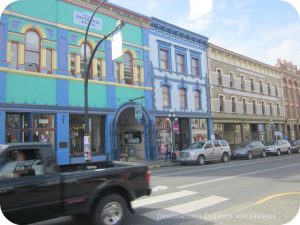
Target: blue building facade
(179, 71)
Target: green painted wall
(30, 90)
(124, 94)
(97, 95)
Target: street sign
(138, 112)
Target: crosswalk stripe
(185, 208)
(159, 188)
(161, 198)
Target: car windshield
(273, 143)
(196, 145)
(242, 145)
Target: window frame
(183, 96)
(17, 55)
(38, 52)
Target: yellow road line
(275, 196)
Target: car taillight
(148, 176)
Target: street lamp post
(172, 118)
(87, 67)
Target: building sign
(133, 137)
(82, 19)
(138, 112)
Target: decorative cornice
(185, 35)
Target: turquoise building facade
(41, 82)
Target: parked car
(33, 188)
(249, 150)
(203, 151)
(277, 147)
(295, 145)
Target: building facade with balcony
(179, 72)
(41, 79)
(291, 92)
(246, 97)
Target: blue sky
(261, 29)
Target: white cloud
(199, 8)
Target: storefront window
(77, 134)
(163, 135)
(199, 129)
(43, 128)
(28, 127)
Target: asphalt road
(260, 191)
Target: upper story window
(242, 82)
(221, 103)
(254, 106)
(231, 80)
(198, 102)
(276, 90)
(88, 56)
(269, 89)
(164, 59)
(195, 67)
(252, 84)
(128, 68)
(138, 74)
(166, 96)
(261, 88)
(99, 69)
(14, 55)
(180, 58)
(32, 51)
(263, 108)
(73, 64)
(49, 59)
(182, 98)
(219, 74)
(244, 106)
(271, 109)
(278, 110)
(233, 104)
(118, 71)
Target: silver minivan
(203, 151)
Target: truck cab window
(21, 163)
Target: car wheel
(289, 151)
(264, 154)
(278, 153)
(201, 160)
(225, 157)
(111, 210)
(250, 155)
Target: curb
(156, 166)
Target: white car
(203, 151)
(278, 147)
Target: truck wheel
(200, 160)
(111, 210)
(225, 157)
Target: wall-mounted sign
(82, 19)
(138, 112)
(133, 137)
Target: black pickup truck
(33, 188)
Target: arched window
(32, 51)
(128, 68)
(88, 56)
